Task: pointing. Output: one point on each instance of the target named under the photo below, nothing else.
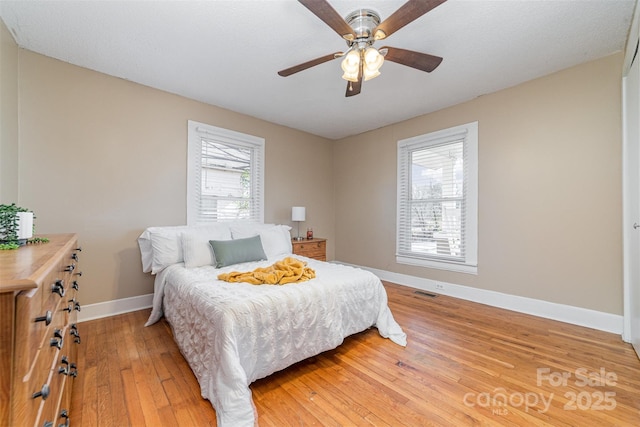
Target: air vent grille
(426, 294)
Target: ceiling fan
(361, 29)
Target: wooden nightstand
(312, 248)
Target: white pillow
(276, 239)
(162, 246)
(244, 229)
(196, 247)
(146, 251)
(146, 248)
(167, 250)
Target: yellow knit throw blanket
(289, 270)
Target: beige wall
(106, 158)
(8, 117)
(549, 189)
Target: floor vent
(426, 294)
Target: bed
(232, 334)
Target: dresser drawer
(30, 333)
(55, 287)
(40, 343)
(62, 372)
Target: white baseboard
(111, 308)
(565, 313)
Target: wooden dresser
(39, 336)
(311, 248)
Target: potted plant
(16, 227)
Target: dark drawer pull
(44, 392)
(74, 333)
(58, 288)
(75, 285)
(47, 424)
(46, 318)
(70, 267)
(79, 249)
(74, 257)
(77, 306)
(56, 342)
(64, 414)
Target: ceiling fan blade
(353, 88)
(410, 58)
(300, 67)
(323, 10)
(408, 12)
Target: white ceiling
(227, 53)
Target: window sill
(438, 264)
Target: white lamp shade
(297, 213)
(351, 65)
(368, 75)
(372, 63)
(372, 59)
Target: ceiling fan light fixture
(350, 77)
(373, 60)
(368, 75)
(351, 65)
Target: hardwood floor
(465, 364)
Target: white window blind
(437, 199)
(225, 175)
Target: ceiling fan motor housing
(363, 22)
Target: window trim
(469, 133)
(195, 132)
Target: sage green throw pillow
(229, 252)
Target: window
(438, 199)
(225, 175)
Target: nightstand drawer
(313, 248)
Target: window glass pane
(438, 172)
(226, 170)
(437, 190)
(215, 209)
(226, 182)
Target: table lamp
(297, 215)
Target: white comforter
(235, 333)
